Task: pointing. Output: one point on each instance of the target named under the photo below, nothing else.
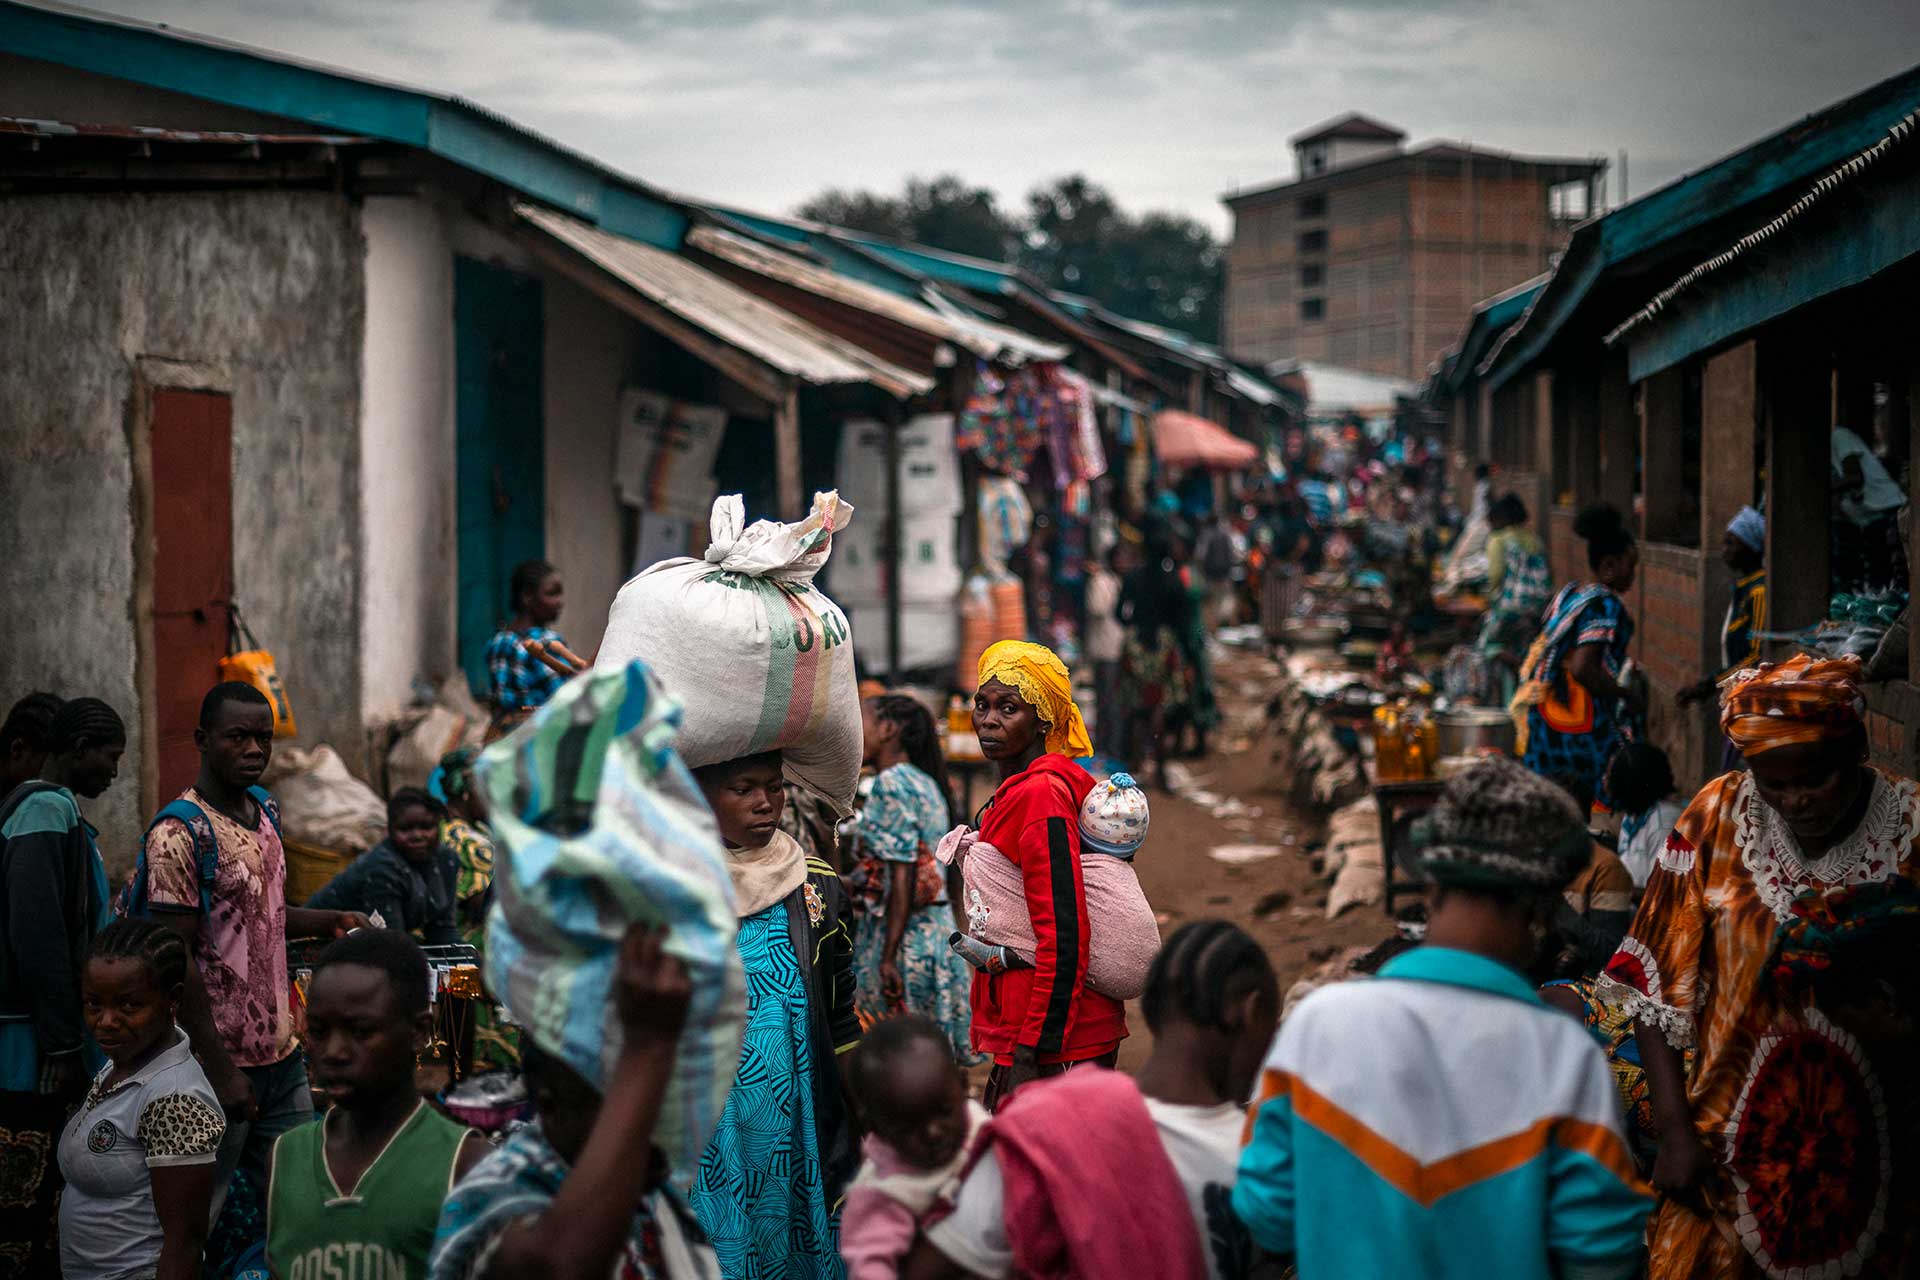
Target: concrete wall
(266, 289)
(592, 352)
(406, 434)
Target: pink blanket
(1123, 936)
(1092, 1201)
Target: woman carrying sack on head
(901, 960)
(771, 1180)
(1045, 1020)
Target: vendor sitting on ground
(405, 881)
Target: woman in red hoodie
(1044, 1020)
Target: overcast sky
(1170, 103)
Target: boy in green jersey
(358, 1192)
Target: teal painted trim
(1781, 160)
(989, 279)
(1791, 270)
(864, 265)
(232, 76)
(457, 131)
(775, 228)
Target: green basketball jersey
(381, 1229)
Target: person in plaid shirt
(520, 682)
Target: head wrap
(1036, 673)
(1750, 527)
(1500, 826)
(452, 778)
(1780, 704)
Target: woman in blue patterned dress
(1576, 707)
(768, 1192)
(906, 912)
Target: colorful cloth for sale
(1563, 729)
(1802, 1090)
(496, 1044)
(761, 1194)
(904, 818)
(1440, 1120)
(1000, 422)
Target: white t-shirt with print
(1203, 1145)
(162, 1115)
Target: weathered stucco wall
(266, 286)
(592, 350)
(406, 440)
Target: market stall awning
(978, 337)
(756, 343)
(1188, 440)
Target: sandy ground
(1281, 900)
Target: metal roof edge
(446, 125)
(1418, 151)
(1840, 177)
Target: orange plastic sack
(255, 666)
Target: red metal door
(192, 435)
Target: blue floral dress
(761, 1193)
(904, 814)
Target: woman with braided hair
(906, 912)
(138, 1155)
(53, 899)
(25, 739)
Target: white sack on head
(757, 655)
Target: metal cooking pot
(1466, 731)
(1312, 633)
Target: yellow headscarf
(1038, 675)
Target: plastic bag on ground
(322, 804)
(758, 657)
(599, 825)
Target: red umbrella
(1188, 440)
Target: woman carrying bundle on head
(901, 961)
(770, 1182)
(1045, 1020)
(1776, 943)
(1573, 707)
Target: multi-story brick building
(1370, 256)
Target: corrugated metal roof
(776, 338)
(981, 337)
(1820, 190)
(22, 126)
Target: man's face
(238, 745)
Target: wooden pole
(786, 454)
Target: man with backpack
(213, 869)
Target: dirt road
(1232, 798)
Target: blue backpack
(132, 902)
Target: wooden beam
(1662, 414)
(1798, 389)
(786, 454)
(761, 381)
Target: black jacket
(46, 923)
(407, 897)
(820, 923)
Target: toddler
(1125, 936)
(920, 1127)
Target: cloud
(1168, 102)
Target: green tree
(941, 213)
(1163, 268)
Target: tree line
(1071, 235)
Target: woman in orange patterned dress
(1777, 940)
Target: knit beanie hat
(1113, 817)
(1500, 826)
